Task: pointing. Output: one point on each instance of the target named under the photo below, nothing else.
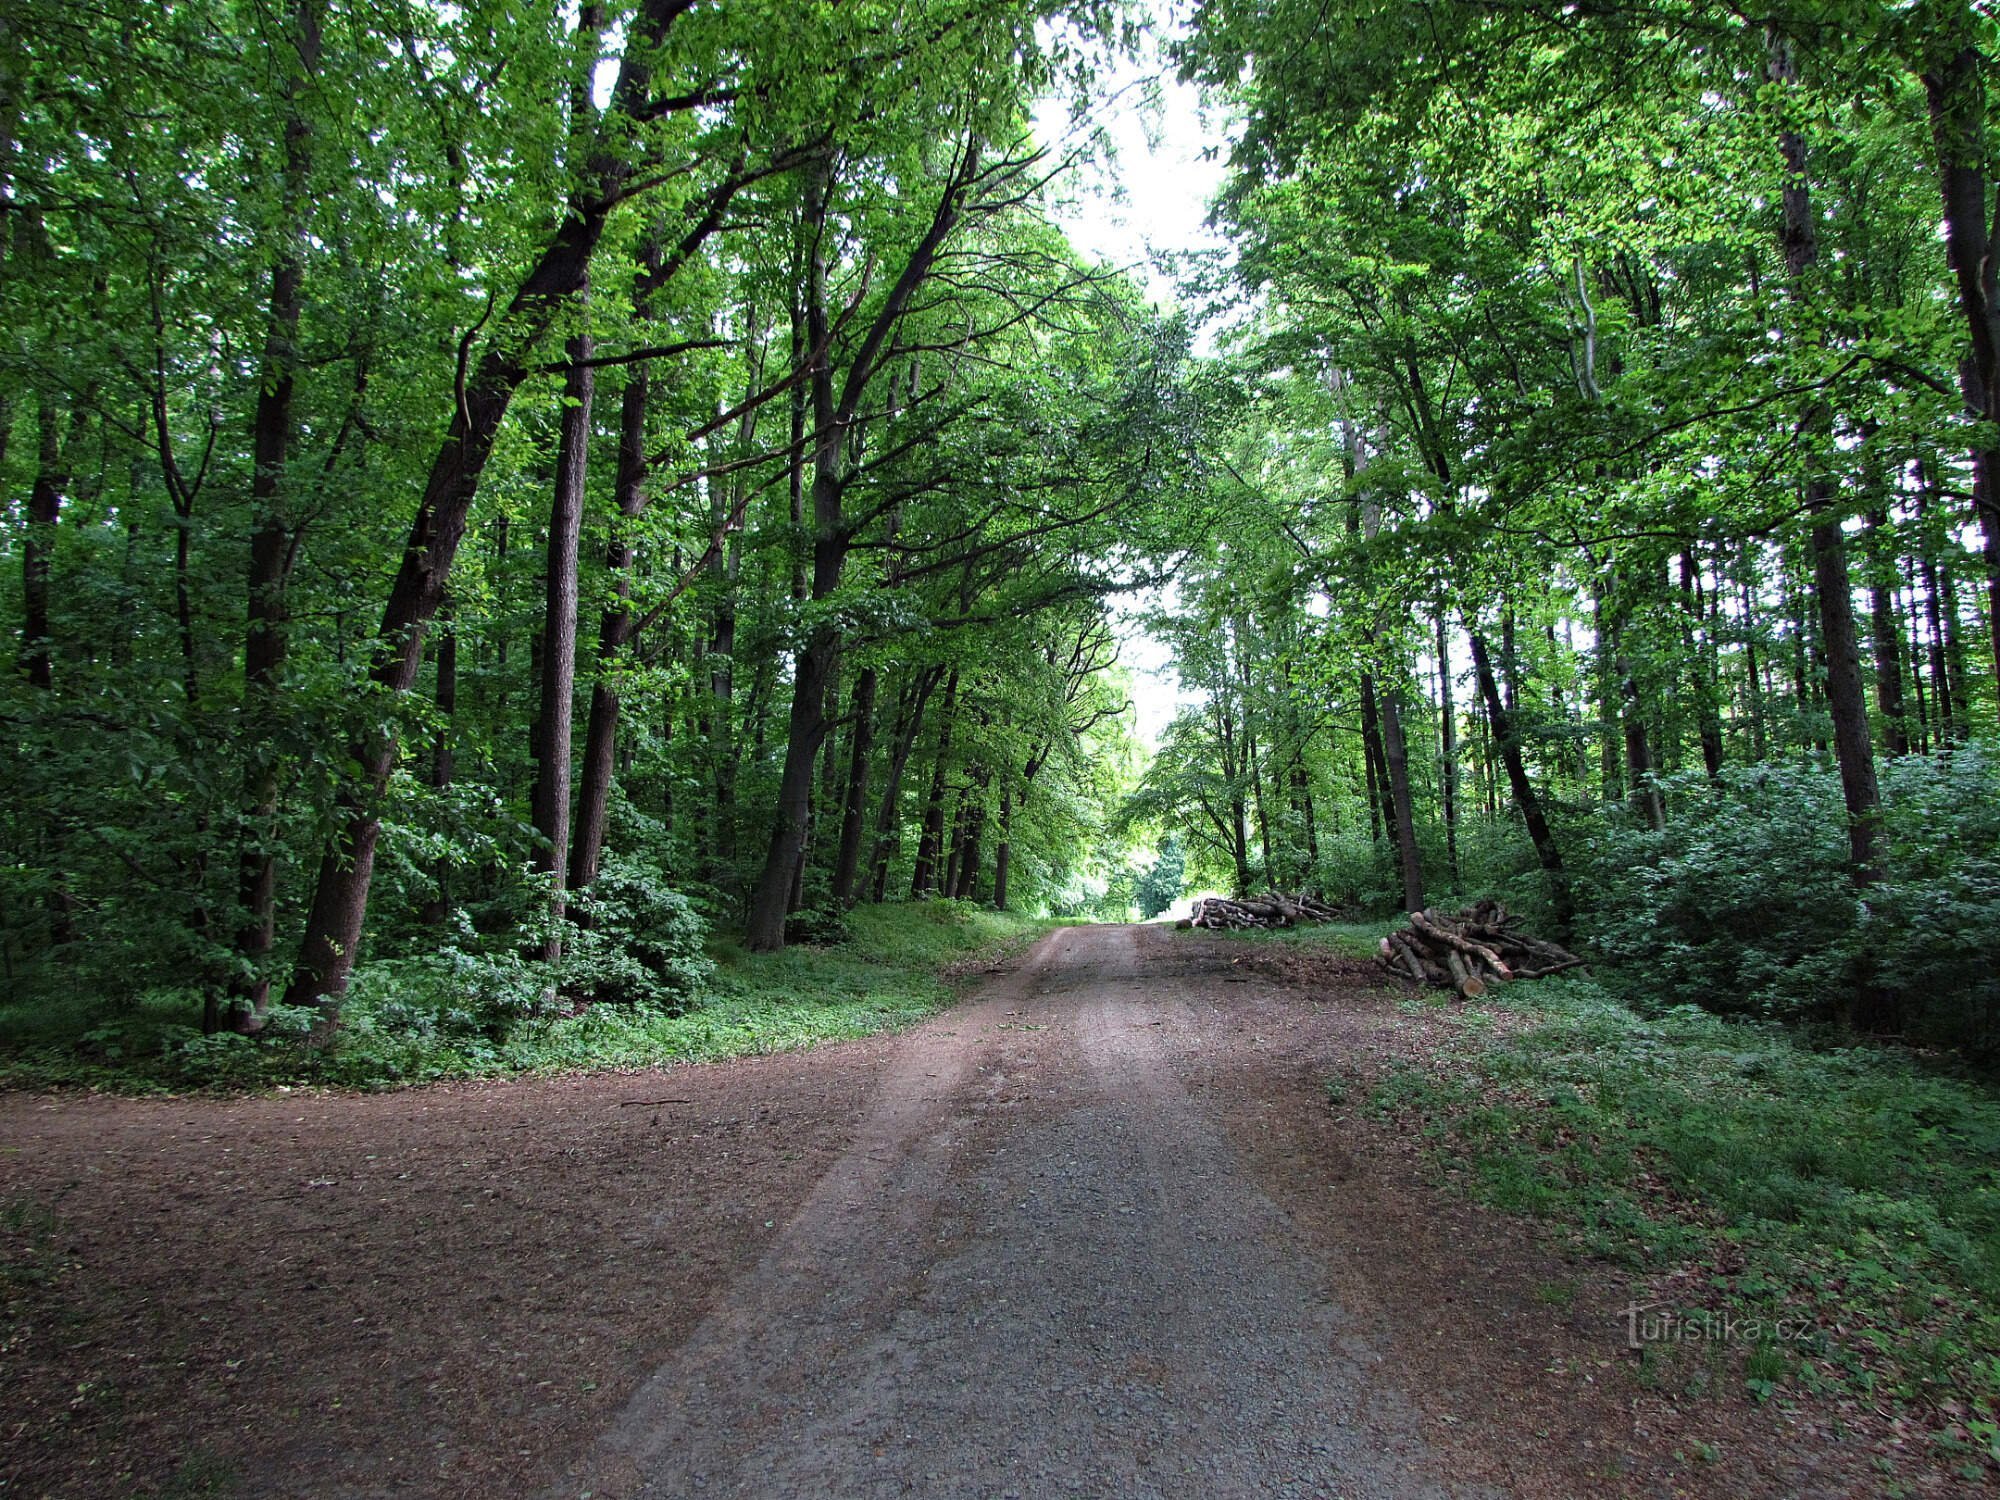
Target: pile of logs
(1470, 949)
(1270, 910)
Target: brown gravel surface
(1095, 1232)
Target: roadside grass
(1840, 1204)
(1351, 939)
(897, 966)
(1833, 1210)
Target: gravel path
(1096, 1232)
(1039, 1270)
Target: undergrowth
(1842, 1202)
(451, 1017)
(1353, 939)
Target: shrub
(1744, 904)
(818, 926)
(643, 943)
(1741, 905)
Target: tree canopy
(547, 488)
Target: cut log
(1468, 983)
(1471, 950)
(1408, 960)
(1267, 911)
(1428, 924)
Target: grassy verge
(1826, 1221)
(1350, 939)
(898, 966)
(1802, 1219)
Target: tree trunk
(271, 553)
(854, 815)
(1646, 800)
(1381, 812)
(1448, 752)
(909, 723)
(923, 878)
(340, 895)
(1847, 701)
(615, 627)
(1605, 626)
(1409, 858)
(967, 888)
(1698, 636)
(1254, 763)
(1506, 740)
(961, 812)
(1955, 87)
(1003, 853)
(1939, 596)
(553, 724)
(1370, 793)
(443, 761)
(834, 428)
(1885, 636)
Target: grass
(1852, 1193)
(1353, 939)
(895, 968)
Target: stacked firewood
(1471, 949)
(1269, 910)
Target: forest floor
(1096, 1231)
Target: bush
(1936, 920)
(818, 926)
(1742, 905)
(643, 945)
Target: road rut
(1039, 1270)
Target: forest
(512, 510)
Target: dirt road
(1039, 1270)
(1096, 1232)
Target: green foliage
(642, 945)
(1742, 905)
(1160, 887)
(487, 1011)
(1936, 919)
(1850, 1190)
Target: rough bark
(1646, 800)
(854, 813)
(1507, 743)
(340, 896)
(1611, 781)
(910, 705)
(1003, 852)
(598, 770)
(271, 553)
(834, 417)
(1447, 751)
(444, 764)
(1955, 87)
(1847, 704)
(1885, 637)
(1409, 858)
(550, 805)
(923, 877)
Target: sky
(1138, 207)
